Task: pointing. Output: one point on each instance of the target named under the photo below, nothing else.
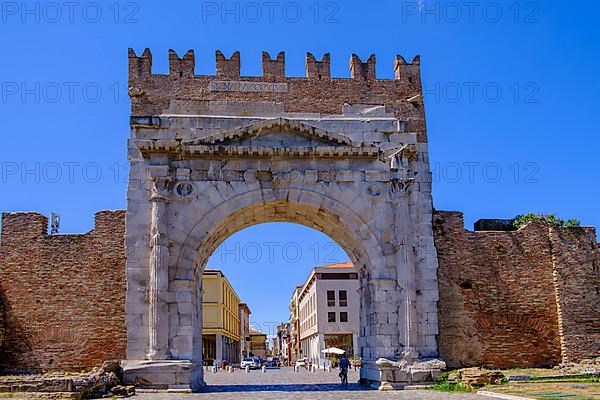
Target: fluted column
(405, 265)
(158, 283)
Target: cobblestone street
(284, 383)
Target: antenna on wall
(54, 223)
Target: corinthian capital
(161, 188)
(399, 188)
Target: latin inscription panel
(243, 86)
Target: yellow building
(221, 321)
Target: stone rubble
(123, 391)
(478, 377)
(100, 382)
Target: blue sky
(512, 91)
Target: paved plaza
(284, 383)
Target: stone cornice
(179, 150)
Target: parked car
(272, 362)
(252, 363)
(301, 362)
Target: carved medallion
(374, 190)
(184, 190)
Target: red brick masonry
(64, 295)
(525, 298)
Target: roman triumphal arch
(211, 155)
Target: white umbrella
(333, 350)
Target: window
(330, 317)
(344, 316)
(343, 298)
(331, 298)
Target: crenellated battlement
(362, 70)
(141, 66)
(181, 91)
(404, 70)
(318, 69)
(273, 69)
(228, 68)
(181, 68)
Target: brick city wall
(524, 298)
(318, 92)
(576, 258)
(63, 295)
(2, 323)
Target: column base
(369, 372)
(384, 374)
(163, 374)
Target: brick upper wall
(500, 294)
(64, 295)
(151, 94)
(577, 280)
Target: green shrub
(551, 219)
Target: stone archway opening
(267, 266)
(336, 227)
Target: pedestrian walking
(344, 365)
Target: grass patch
(452, 387)
(544, 390)
(533, 372)
(581, 378)
(445, 386)
(559, 396)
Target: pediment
(275, 133)
(274, 137)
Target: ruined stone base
(389, 375)
(164, 374)
(369, 372)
